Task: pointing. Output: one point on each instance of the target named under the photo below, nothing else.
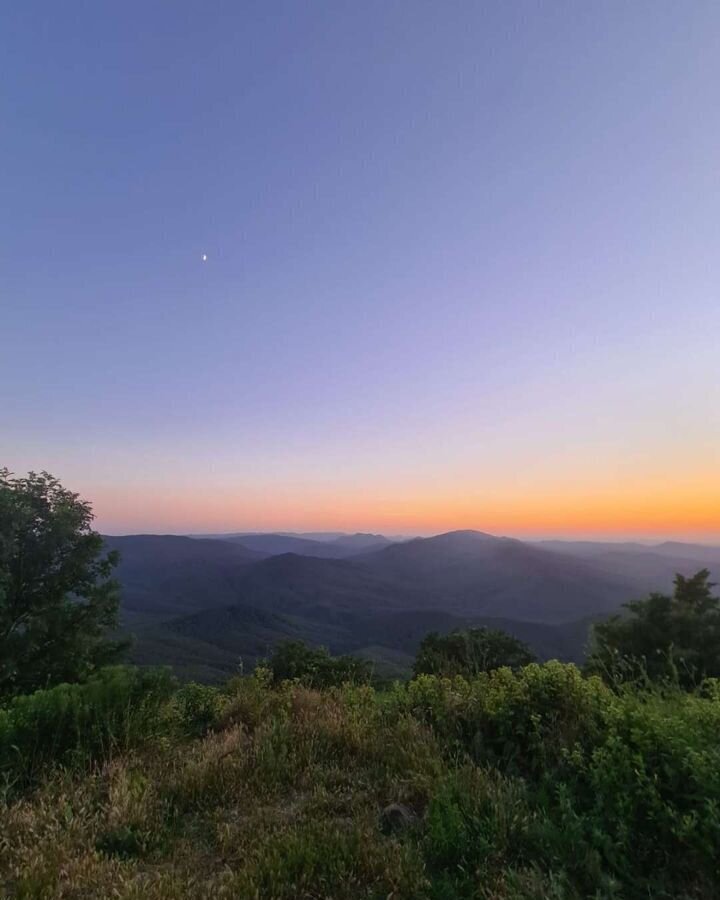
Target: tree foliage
(665, 637)
(57, 597)
(315, 667)
(470, 652)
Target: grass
(538, 784)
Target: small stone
(396, 817)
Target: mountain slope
(703, 553)
(470, 572)
(212, 644)
(295, 583)
(323, 547)
(216, 642)
(163, 576)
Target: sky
(463, 264)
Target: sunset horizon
(360, 269)
(644, 509)
(596, 519)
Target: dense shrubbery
(315, 667)
(521, 721)
(470, 652)
(537, 784)
(78, 724)
(624, 787)
(197, 709)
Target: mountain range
(206, 605)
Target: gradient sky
(463, 263)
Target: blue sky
(462, 263)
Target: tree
(470, 652)
(315, 667)
(57, 597)
(665, 637)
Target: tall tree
(58, 600)
(663, 636)
(470, 652)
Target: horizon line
(209, 535)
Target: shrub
(644, 798)
(626, 785)
(197, 709)
(521, 721)
(315, 667)
(74, 725)
(470, 652)
(251, 700)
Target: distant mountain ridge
(477, 573)
(275, 544)
(326, 545)
(199, 603)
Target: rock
(396, 817)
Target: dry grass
(273, 808)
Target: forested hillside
(208, 606)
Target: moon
(204, 257)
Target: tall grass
(75, 725)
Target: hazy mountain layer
(202, 604)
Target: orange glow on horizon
(652, 509)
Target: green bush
(644, 798)
(315, 667)
(470, 652)
(522, 721)
(252, 701)
(198, 708)
(74, 725)
(625, 785)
